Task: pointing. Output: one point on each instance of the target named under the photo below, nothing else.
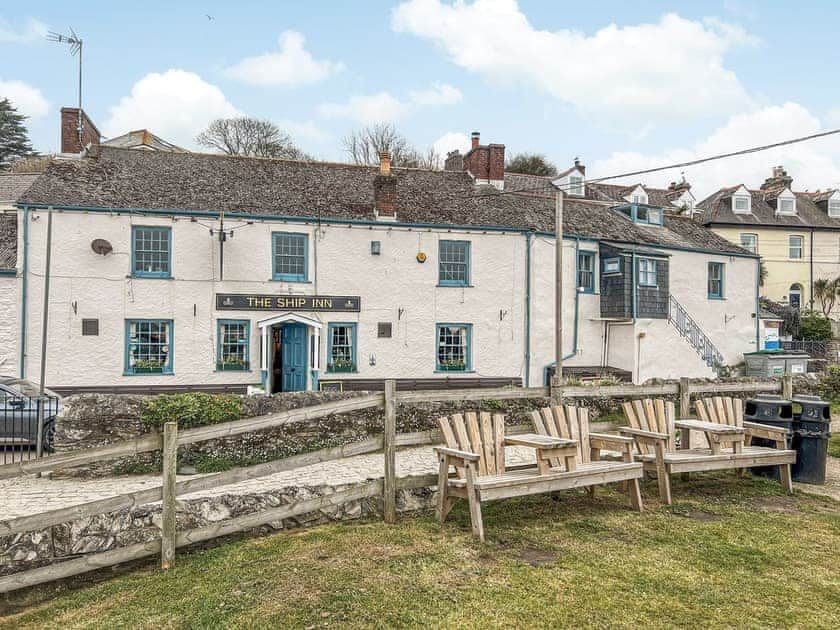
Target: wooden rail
(387, 486)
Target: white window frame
(748, 206)
(800, 247)
(836, 203)
(782, 201)
(576, 186)
(750, 248)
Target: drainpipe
(633, 284)
(757, 305)
(24, 276)
(577, 319)
(811, 271)
(527, 309)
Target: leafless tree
(250, 137)
(364, 145)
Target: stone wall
(90, 420)
(20, 552)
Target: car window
(22, 387)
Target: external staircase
(694, 335)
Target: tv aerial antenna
(75, 43)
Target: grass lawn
(730, 553)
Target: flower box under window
(147, 368)
(341, 366)
(452, 366)
(232, 366)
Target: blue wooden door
(294, 357)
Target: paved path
(28, 495)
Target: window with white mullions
(586, 272)
(341, 348)
(234, 345)
(151, 252)
(454, 263)
(290, 257)
(148, 346)
(453, 347)
(647, 272)
(795, 247)
(750, 242)
(715, 283)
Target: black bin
(773, 411)
(811, 426)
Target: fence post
(685, 398)
(170, 466)
(787, 386)
(390, 444)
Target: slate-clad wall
(652, 302)
(616, 288)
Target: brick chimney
(680, 186)
(72, 141)
(385, 190)
(486, 163)
(778, 181)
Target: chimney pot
(384, 163)
(476, 137)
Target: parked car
(19, 413)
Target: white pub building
(178, 271)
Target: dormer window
(786, 206)
(834, 208)
(741, 204)
(638, 195)
(642, 214)
(576, 185)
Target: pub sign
(248, 302)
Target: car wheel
(48, 438)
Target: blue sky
(622, 85)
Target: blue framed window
(586, 272)
(341, 347)
(454, 263)
(290, 252)
(647, 272)
(454, 348)
(611, 265)
(233, 345)
(716, 279)
(148, 346)
(643, 214)
(151, 251)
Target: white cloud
(385, 107)
(628, 75)
(175, 105)
(813, 164)
(28, 100)
(304, 130)
(293, 65)
(451, 141)
(438, 94)
(33, 31)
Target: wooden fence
(387, 487)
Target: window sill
(454, 371)
(289, 280)
(142, 276)
(455, 286)
(341, 372)
(716, 297)
(8, 272)
(170, 373)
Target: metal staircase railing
(695, 336)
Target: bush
(191, 410)
(829, 386)
(814, 327)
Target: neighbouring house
(12, 186)
(142, 139)
(79, 132)
(797, 234)
(176, 271)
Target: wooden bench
(475, 447)
(653, 426)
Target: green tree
(826, 292)
(531, 164)
(814, 327)
(14, 139)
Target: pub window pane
(148, 348)
(454, 347)
(290, 256)
(341, 348)
(586, 272)
(647, 272)
(454, 269)
(234, 341)
(151, 251)
(715, 280)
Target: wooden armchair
(475, 447)
(653, 427)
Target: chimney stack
(385, 190)
(778, 181)
(486, 163)
(579, 166)
(73, 139)
(475, 137)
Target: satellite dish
(101, 247)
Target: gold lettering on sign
(258, 302)
(322, 303)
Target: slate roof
(142, 139)
(717, 209)
(13, 185)
(122, 178)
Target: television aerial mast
(75, 43)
